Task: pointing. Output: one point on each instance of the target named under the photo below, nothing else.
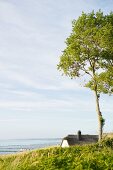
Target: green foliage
(89, 50)
(102, 121)
(107, 142)
(97, 156)
(104, 81)
(107, 81)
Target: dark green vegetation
(87, 157)
(89, 55)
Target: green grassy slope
(86, 157)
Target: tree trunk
(99, 115)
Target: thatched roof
(73, 139)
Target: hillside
(86, 157)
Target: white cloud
(12, 74)
(43, 104)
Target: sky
(36, 101)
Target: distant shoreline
(15, 146)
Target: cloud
(13, 74)
(43, 104)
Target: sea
(19, 145)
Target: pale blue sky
(35, 100)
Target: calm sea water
(18, 145)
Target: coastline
(15, 146)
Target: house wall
(64, 144)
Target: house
(72, 140)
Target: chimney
(79, 135)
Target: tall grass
(87, 157)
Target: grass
(87, 157)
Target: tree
(105, 82)
(89, 50)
